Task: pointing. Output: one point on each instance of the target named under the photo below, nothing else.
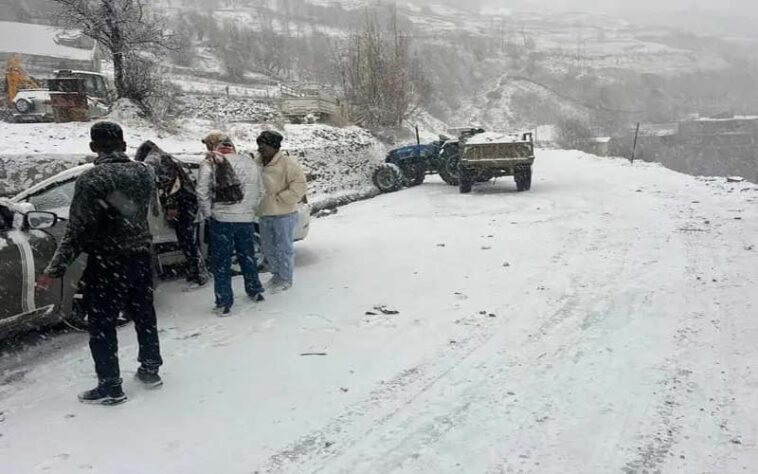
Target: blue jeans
(277, 242)
(226, 238)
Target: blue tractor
(408, 166)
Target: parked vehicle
(31, 225)
(27, 243)
(32, 105)
(450, 155)
(496, 155)
(300, 104)
(89, 90)
(407, 166)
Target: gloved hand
(44, 282)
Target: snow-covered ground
(602, 322)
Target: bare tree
(381, 79)
(123, 27)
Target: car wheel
(23, 105)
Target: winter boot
(149, 377)
(104, 394)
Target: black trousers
(188, 237)
(113, 284)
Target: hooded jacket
(108, 213)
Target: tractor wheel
(528, 179)
(388, 178)
(465, 180)
(413, 174)
(449, 168)
(520, 176)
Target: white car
(55, 194)
(32, 105)
(31, 226)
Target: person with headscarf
(229, 190)
(285, 185)
(178, 199)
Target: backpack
(226, 186)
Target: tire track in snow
(348, 432)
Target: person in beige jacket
(285, 186)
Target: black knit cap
(270, 138)
(106, 132)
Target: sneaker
(103, 395)
(258, 297)
(149, 377)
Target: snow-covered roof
(38, 40)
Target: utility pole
(634, 147)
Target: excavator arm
(16, 79)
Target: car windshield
(94, 84)
(55, 198)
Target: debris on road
(386, 310)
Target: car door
(24, 254)
(57, 199)
(11, 288)
(43, 244)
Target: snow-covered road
(603, 322)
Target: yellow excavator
(16, 79)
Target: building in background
(44, 49)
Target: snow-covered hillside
(602, 322)
(338, 161)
